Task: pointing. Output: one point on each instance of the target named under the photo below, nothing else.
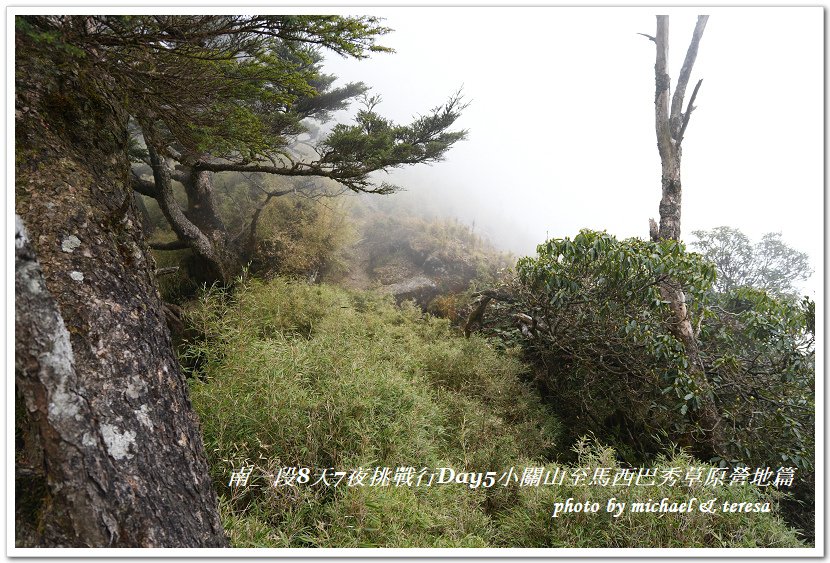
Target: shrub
(761, 360)
(302, 236)
(602, 346)
(603, 338)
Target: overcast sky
(561, 119)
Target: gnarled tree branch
(142, 186)
(182, 226)
(172, 245)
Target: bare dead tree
(671, 123)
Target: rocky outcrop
(420, 289)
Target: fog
(561, 118)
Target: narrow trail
(357, 260)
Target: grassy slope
(314, 376)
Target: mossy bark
(107, 402)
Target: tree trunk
(670, 125)
(203, 211)
(707, 440)
(202, 208)
(207, 252)
(147, 226)
(216, 258)
(122, 454)
(248, 240)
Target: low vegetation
(528, 523)
(310, 376)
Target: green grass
(313, 376)
(529, 524)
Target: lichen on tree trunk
(122, 452)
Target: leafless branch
(685, 73)
(689, 111)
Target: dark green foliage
(609, 360)
(761, 361)
(603, 334)
(219, 84)
(375, 143)
(232, 92)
